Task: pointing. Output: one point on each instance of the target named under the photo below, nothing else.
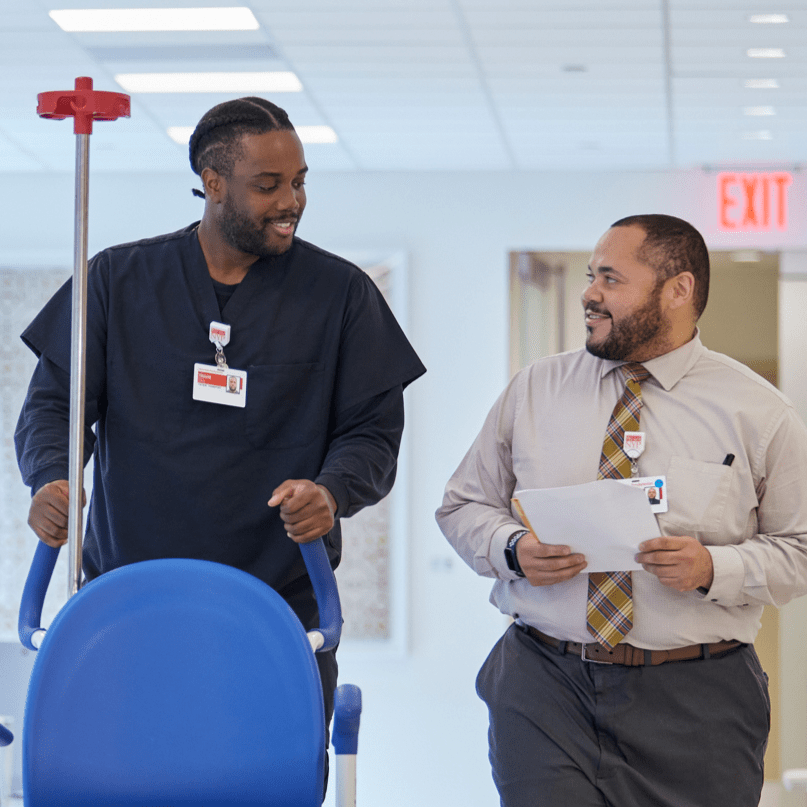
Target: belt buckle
(591, 660)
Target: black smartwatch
(510, 556)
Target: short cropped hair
(216, 141)
(671, 246)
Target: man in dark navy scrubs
(181, 470)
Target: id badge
(655, 488)
(219, 386)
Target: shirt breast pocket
(698, 492)
(285, 405)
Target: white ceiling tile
(285, 20)
(566, 19)
(354, 6)
(371, 56)
(572, 83)
(384, 37)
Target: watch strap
(510, 556)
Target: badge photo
(655, 488)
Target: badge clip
(633, 445)
(219, 335)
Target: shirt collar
(670, 368)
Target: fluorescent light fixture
(746, 256)
(766, 53)
(180, 134)
(155, 19)
(281, 81)
(761, 84)
(307, 134)
(316, 134)
(769, 19)
(763, 134)
(759, 111)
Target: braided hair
(216, 141)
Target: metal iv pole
(84, 105)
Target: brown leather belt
(630, 656)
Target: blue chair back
(174, 682)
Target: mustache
(596, 310)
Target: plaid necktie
(609, 609)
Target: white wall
(424, 737)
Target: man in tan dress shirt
(677, 716)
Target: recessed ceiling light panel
(766, 53)
(746, 256)
(769, 19)
(316, 134)
(761, 84)
(759, 111)
(181, 134)
(107, 20)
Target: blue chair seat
(173, 683)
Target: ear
(680, 290)
(213, 183)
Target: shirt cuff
(729, 576)
(46, 477)
(337, 489)
(497, 544)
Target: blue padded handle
(324, 582)
(347, 714)
(33, 595)
(6, 736)
(314, 555)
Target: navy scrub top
(326, 363)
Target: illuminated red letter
(749, 186)
(725, 201)
(782, 181)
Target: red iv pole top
(84, 104)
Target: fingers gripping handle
(326, 593)
(33, 595)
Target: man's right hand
(547, 564)
(49, 512)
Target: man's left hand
(306, 509)
(680, 562)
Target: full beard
(641, 333)
(241, 233)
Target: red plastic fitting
(84, 105)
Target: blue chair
(177, 682)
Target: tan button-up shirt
(546, 430)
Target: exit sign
(754, 202)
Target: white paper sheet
(605, 520)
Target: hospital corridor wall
(424, 731)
